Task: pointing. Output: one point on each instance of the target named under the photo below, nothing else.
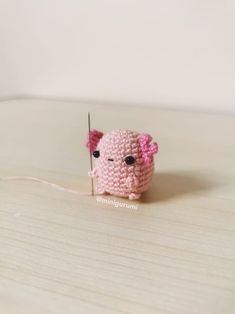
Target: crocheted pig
(124, 162)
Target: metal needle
(91, 164)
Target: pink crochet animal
(124, 162)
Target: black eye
(96, 154)
(129, 160)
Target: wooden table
(65, 253)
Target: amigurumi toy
(124, 162)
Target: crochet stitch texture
(125, 163)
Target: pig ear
(93, 139)
(147, 148)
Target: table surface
(66, 253)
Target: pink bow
(93, 139)
(148, 149)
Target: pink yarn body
(115, 176)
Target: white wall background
(171, 53)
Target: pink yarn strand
(45, 182)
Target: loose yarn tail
(45, 182)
